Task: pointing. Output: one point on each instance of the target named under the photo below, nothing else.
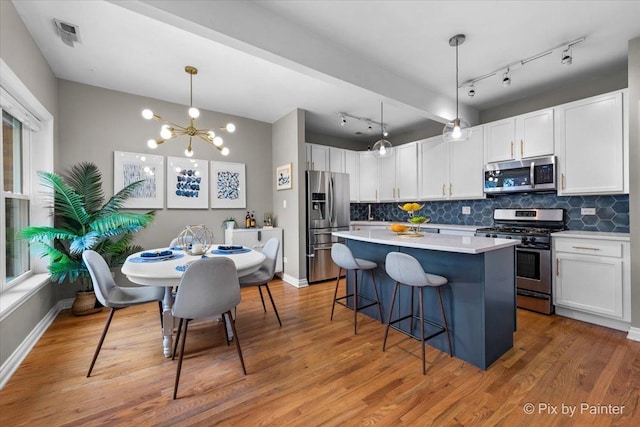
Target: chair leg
(335, 293)
(386, 331)
(266, 285)
(264, 307)
(175, 344)
(444, 319)
(355, 303)
(161, 316)
(421, 303)
(235, 338)
(104, 334)
(412, 308)
(375, 290)
(184, 338)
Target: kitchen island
(479, 300)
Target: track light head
(506, 79)
(472, 92)
(343, 120)
(566, 57)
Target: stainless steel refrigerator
(327, 211)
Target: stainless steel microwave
(521, 176)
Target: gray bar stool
(343, 258)
(406, 270)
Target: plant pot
(85, 303)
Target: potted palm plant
(82, 221)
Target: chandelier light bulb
(224, 151)
(188, 152)
(165, 132)
(217, 141)
(147, 114)
(231, 127)
(194, 113)
(152, 143)
(211, 134)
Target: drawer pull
(511, 149)
(563, 182)
(521, 148)
(586, 247)
(557, 267)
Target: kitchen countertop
(471, 228)
(597, 235)
(436, 242)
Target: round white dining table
(168, 272)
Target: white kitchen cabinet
(351, 167)
(591, 146)
(520, 137)
(317, 157)
(337, 160)
(452, 170)
(406, 168)
(255, 238)
(368, 177)
(387, 177)
(592, 278)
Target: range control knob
(532, 239)
(494, 236)
(507, 237)
(487, 235)
(524, 239)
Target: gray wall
(21, 54)
(288, 147)
(634, 176)
(95, 122)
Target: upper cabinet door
(407, 171)
(319, 158)
(466, 167)
(368, 177)
(433, 164)
(500, 140)
(387, 178)
(336, 160)
(351, 167)
(591, 146)
(534, 134)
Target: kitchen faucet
(369, 217)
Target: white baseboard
(634, 334)
(13, 362)
(593, 318)
(298, 283)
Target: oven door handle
(532, 174)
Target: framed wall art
(132, 167)
(283, 177)
(228, 185)
(187, 183)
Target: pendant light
(457, 129)
(382, 148)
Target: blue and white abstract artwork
(132, 167)
(187, 183)
(228, 189)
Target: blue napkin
(155, 254)
(229, 248)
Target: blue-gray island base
(479, 300)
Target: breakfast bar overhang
(479, 300)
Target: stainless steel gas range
(533, 227)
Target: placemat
(145, 260)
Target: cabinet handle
(521, 148)
(562, 181)
(586, 247)
(443, 187)
(307, 165)
(398, 193)
(450, 187)
(511, 148)
(557, 267)
(394, 193)
(376, 194)
(313, 165)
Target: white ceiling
(263, 59)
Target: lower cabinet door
(589, 283)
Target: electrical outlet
(587, 211)
(284, 259)
(466, 210)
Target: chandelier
(170, 130)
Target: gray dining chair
(113, 296)
(266, 272)
(208, 287)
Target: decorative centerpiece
(195, 239)
(415, 220)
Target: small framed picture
(132, 167)
(228, 185)
(283, 177)
(187, 183)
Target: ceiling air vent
(69, 33)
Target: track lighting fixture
(472, 92)
(343, 120)
(506, 79)
(370, 123)
(566, 57)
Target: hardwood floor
(313, 371)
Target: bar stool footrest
(360, 307)
(410, 334)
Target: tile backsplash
(612, 211)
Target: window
(14, 199)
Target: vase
(85, 303)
